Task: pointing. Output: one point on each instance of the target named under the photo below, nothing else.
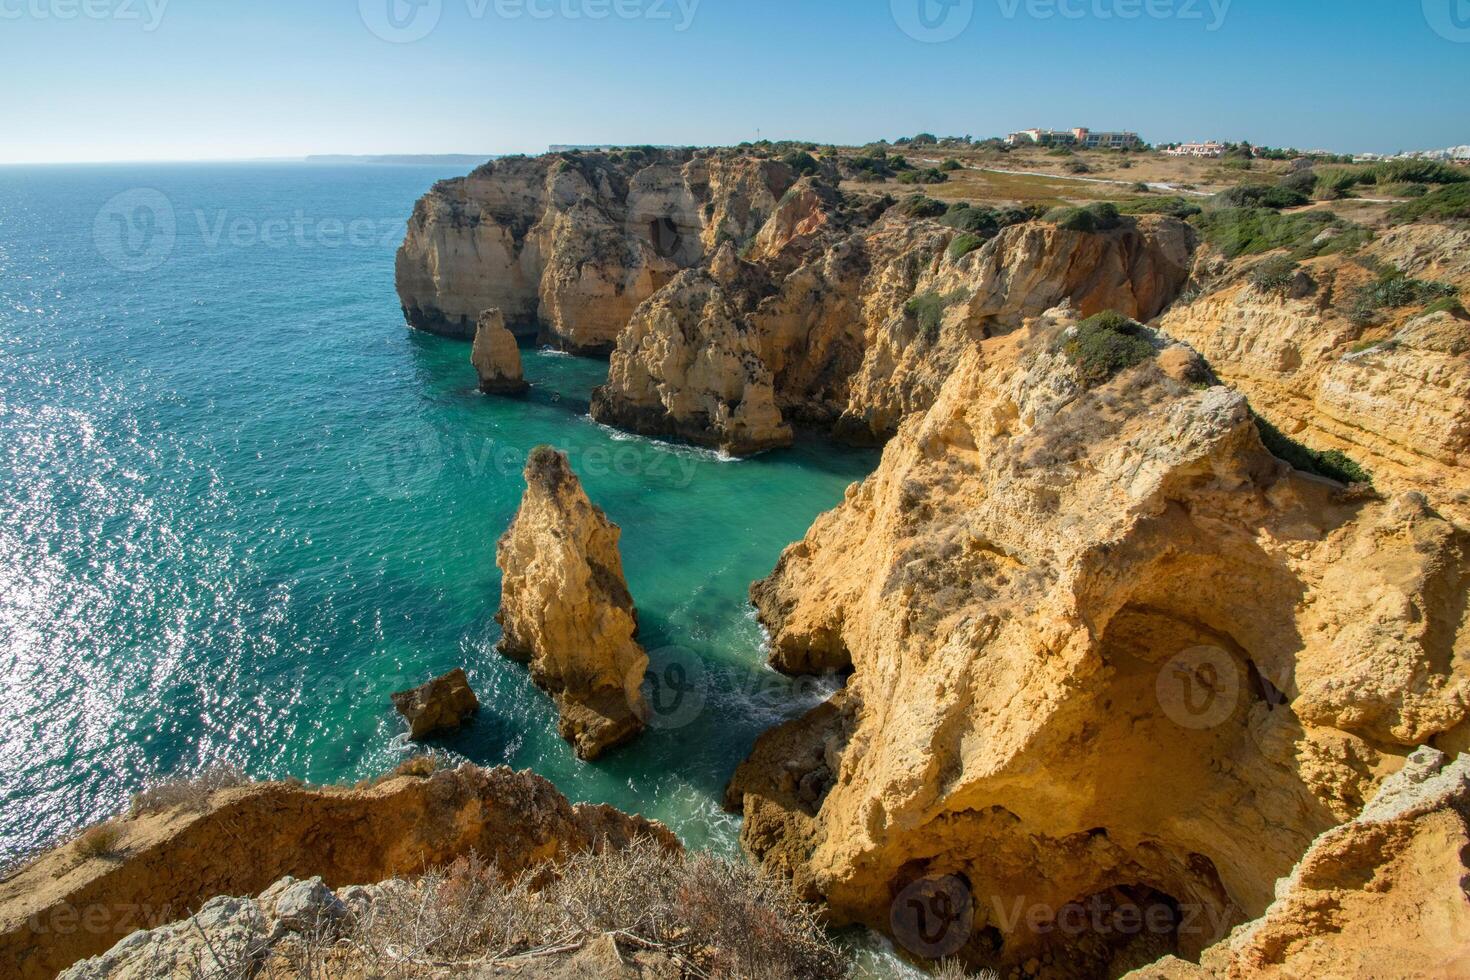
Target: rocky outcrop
(1106, 652)
(568, 245)
(1137, 269)
(70, 905)
(496, 357)
(821, 330)
(566, 610)
(441, 705)
(1382, 895)
(688, 368)
(1393, 396)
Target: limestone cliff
(566, 610)
(1137, 269)
(71, 904)
(849, 324)
(1104, 649)
(1394, 396)
(568, 245)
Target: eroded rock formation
(1394, 396)
(495, 356)
(167, 865)
(441, 705)
(816, 326)
(568, 245)
(1380, 896)
(566, 610)
(1104, 648)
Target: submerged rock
(496, 357)
(442, 705)
(566, 610)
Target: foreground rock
(70, 905)
(496, 356)
(441, 705)
(1380, 896)
(566, 610)
(647, 910)
(1105, 649)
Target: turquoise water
(241, 503)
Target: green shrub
(950, 166)
(1255, 231)
(1261, 196)
(1417, 172)
(1275, 274)
(1448, 304)
(982, 221)
(1176, 207)
(1451, 203)
(1333, 464)
(803, 163)
(1106, 344)
(1103, 216)
(930, 176)
(919, 206)
(1302, 182)
(928, 309)
(1078, 167)
(965, 244)
(1141, 188)
(1403, 190)
(1393, 291)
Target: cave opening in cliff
(664, 235)
(1109, 932)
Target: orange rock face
(566, 610)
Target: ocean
(241, 503)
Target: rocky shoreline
(1050, 538)
(1156, 609)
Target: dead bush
(99, 841)
(192, 792)
(714, 918)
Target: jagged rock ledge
(74, 903)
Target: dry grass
(192, 793)
(695, 915)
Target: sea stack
(566, 610)
(496, 357)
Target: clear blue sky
(252, 78)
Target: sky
(102, 80)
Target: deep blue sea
(241, 503)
